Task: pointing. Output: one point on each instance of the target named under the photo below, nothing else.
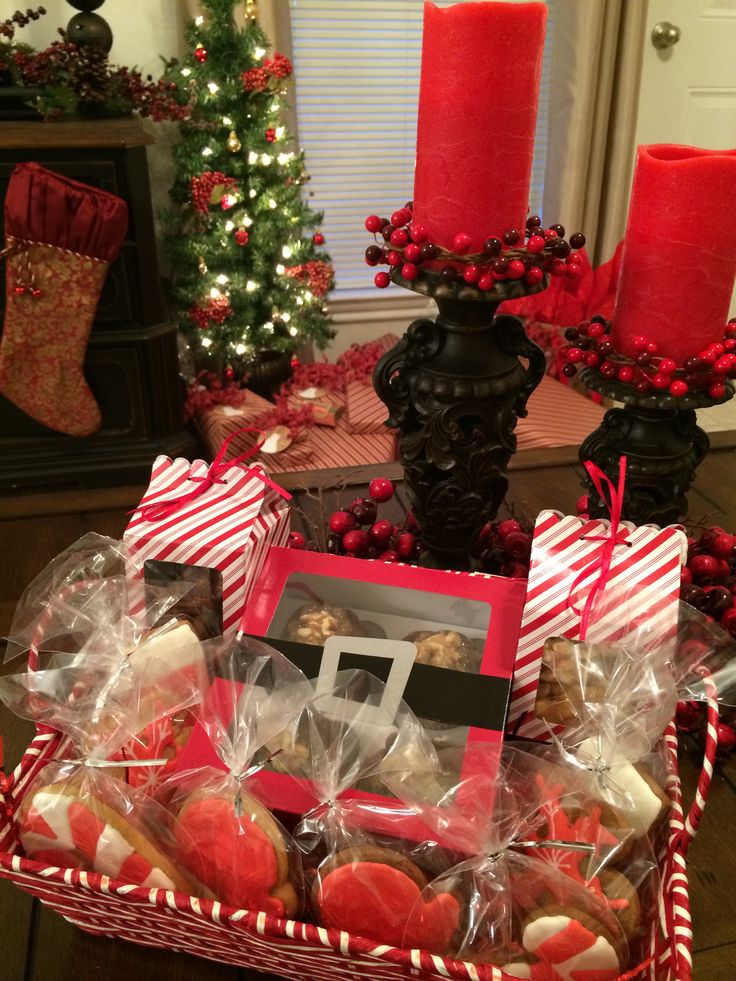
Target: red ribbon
(162, 509)
(613, 497)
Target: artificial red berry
(381, 489)
(393, 258)
(418, 233)
(406, 545)
(625, 373)
(574, 355)
(533, 276)
(667, 366)
(390, 556)
(686, 576)
(717, 390)
(409, 271)
(461, 243)
(535, 244)
(577, 240)
(581, 505)
(518, 545)
(679, 388)
(400, 217)
(412, 253)
(381, 532)
(516, 269)
(704, 568)
(660, 381)
(511, 236)
(639, 343)
(356, 541)
(568, 370)
(486, 282)
(20, 290)
(572, 270)
(514, 570)
(723, 545)
(373, 255)
(296, 540)
(726, 737)
(643, 387)
(429, 251)
(373, 223)
(651, 347)
(492, 247)
(471, 273)
(720, 599)
(510, 526)
(399, 238)
(687, 716)
(382, 280)
(341, 521)
(387, 231)
(363, 509)
(728, 621)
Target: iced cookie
(445, 649)
(377, 893)
(163, 739)
(244, 860)
(569, 944)
(59, 827)
(315, 622)
(623, 900)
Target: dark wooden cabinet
(131, 364)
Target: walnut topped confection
(315, 622)
(446, 649)
(572, 673)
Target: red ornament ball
(270, 135)
(381, 489)
(356, 541)
(200, 53)
(382, 280)
(296, 540)
(242, 236)
(318, 238)
(341, 522)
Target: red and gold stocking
(60, 238)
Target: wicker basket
(302, 951)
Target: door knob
(664, 34)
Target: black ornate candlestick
(454, 388)
(663, 444)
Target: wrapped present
(218, 422)
(366, 412)
(558, 416)
(222, 517)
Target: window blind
(357, 67)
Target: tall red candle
(679, 257)
(481, 67)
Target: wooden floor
(38, 945)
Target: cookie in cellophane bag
(226, 835)
(78, 811)
(515, 910)
(366, 861)
(614, 701)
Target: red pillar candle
(679, 256)
(481, 67)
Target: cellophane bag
(614, 701)
(509, 907)
(704, 655)
(79, 812)
(366, 857)
(226, 836)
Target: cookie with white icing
(61, 825)
(568, 943)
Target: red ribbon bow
(162, 509)
(613, 497)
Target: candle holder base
(662, 442)
(454, 388)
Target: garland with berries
(407, 248)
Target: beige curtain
(596, 70)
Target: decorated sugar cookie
(566, 945)
(243, 859)
(377, 893)
(60, 826)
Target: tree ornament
(318, 238)
(233, 142)
(201, 265)
(242, 236)
(270, 135)
(200, 53)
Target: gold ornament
(251, 9)
(233, 143)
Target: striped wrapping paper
(558, 416)
(365, 411)
(229, 527)
(640, 597)
(217, 423)
(324, 447)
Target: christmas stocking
(60, 238)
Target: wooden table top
(38, 945)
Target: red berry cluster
(270, 135)
(19, 19)
(709, 578)
(316, 274)
(407, 247)
(215, 311)
(359, 532)
(203, 186)
(504, 549)
(268, 75)
(650, 372)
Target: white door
(688, 95)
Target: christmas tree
(248, 270)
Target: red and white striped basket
(302, 951)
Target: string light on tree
(228, 276)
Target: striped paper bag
(224, 521)
(640, 596)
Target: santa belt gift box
(212, 527)
(443, 641)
